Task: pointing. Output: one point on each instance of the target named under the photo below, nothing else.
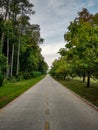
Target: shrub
(1, 79)
(36, 74)
(26, 75)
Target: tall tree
(20, 39)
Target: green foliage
(2, 64)
(60, 68)
(27, 75)
(2, 68)
(36, 74)
(19, 41)
(1, 79)
(42, 66)
(81, 50)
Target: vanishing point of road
(48, 106)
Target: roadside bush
(13, 79)
(36, 74)
(20, 77)
(1, 79)
(26, 75)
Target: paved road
(48, 106)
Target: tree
(19, 39)
(81, 49)
(82, 38)
(22, 8)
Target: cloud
(53, 48)
(50, 52)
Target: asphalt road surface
(48, 106)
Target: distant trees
(81, 49)
(19, 40)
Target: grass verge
(90, 94)
(10, 91)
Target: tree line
(80, 55)
(20, 54)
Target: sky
(54, 16)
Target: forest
(20, 53)
(79, 58)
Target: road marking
(47, 112)
(47, 125)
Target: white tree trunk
(18, 53)
(7, 71)
(12, 60)
(2, 40)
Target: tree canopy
(19, 41)
(81, 49)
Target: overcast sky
(54, 16)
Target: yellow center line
(46, 125)
(47, 112)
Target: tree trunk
(5, 18)
(7, 71)
(84, 76)
(8, 13)
(18, 53)
(88, 80)
(2, 37)
(64, 77)
(2, 40)
(12, 58)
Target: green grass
(10, 91)
(90, 94)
